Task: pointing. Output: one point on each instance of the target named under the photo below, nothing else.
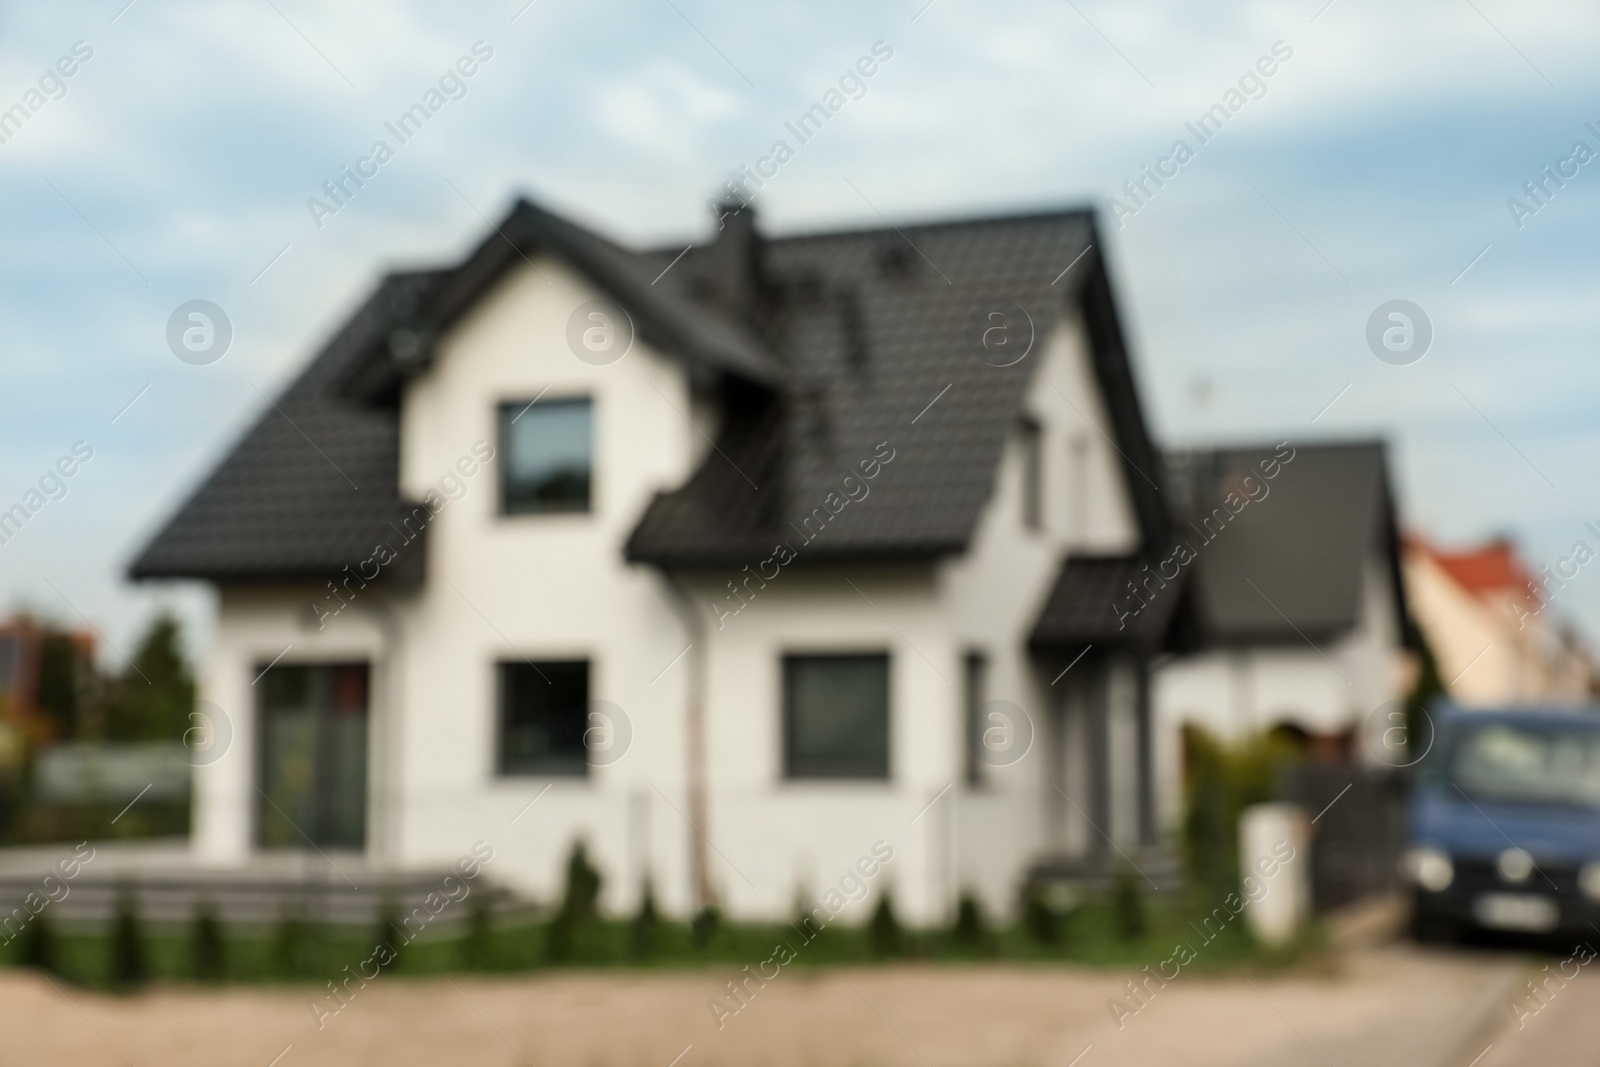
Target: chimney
(736, 275)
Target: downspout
(694, 624)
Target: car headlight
(1431, 869)
(1589, 880)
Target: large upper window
(1032, 474)
(546, 456)
(543, 715)
(974, 683)
(836, 716)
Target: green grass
(1088, 935)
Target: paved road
(1374, 1006)
(1556, 1023)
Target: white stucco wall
(995, 593)
(554, 587)
(1325, 688)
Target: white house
(1295, 586)
(1489, 622)
(716, 560)
(730, 561)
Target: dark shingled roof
(1289, 566)
(1089, 604)
(280, 506)
(874, 326)
(852, 344)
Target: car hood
(1550, 833)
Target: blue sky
(1377, 166)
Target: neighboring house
(1297, 596)
(33, 659)
(1494, 637)
(715, 559)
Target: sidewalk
(1377, 1006)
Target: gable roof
(313, 484)
(877, 334)
(1493, 569)
(856, 340)
(1082, 609)
(1290, 566)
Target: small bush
(209, 959)
(39, 949)
(291, 943)
(478, 944)
(1220, 781)
(1039, 919)
(129, 966)
(579, 907)
(883, 932)
(1127, 906)
(971, 931)
(388, 930)
(642, 931)
(705, 926)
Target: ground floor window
(543, 715)
(312, 785)
(836, 716)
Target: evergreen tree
(156, 693)
(209, 959)
(884, 931)
(129, 966)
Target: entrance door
(313, 765)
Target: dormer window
(546, 456)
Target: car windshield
(1527, 764)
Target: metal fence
(1358, 832)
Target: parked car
(1504, 827)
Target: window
(546, 452)
(1032, 474)
(836, 716)
(312, 769)
(974, 683)
(543, 715)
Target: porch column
(1097, 706)
(1146, 771)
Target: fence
(1359, 828)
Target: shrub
(1127, 906)
(579, 906)
(129, 966)
(884, 933)
(1220, 781)
(477, 947)
(705, 926)
(1039, 919)
(642, 931)
(388, 930)
(971, 932)
(209, 961)
(39, 944)
(291, 942)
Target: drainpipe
(694, 624)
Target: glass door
(313, 762)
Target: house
(1292, 564)
(732, 561)
(1488, 621)
(42, 670)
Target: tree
(156, 693)
(60, 681)
(1428, 688)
